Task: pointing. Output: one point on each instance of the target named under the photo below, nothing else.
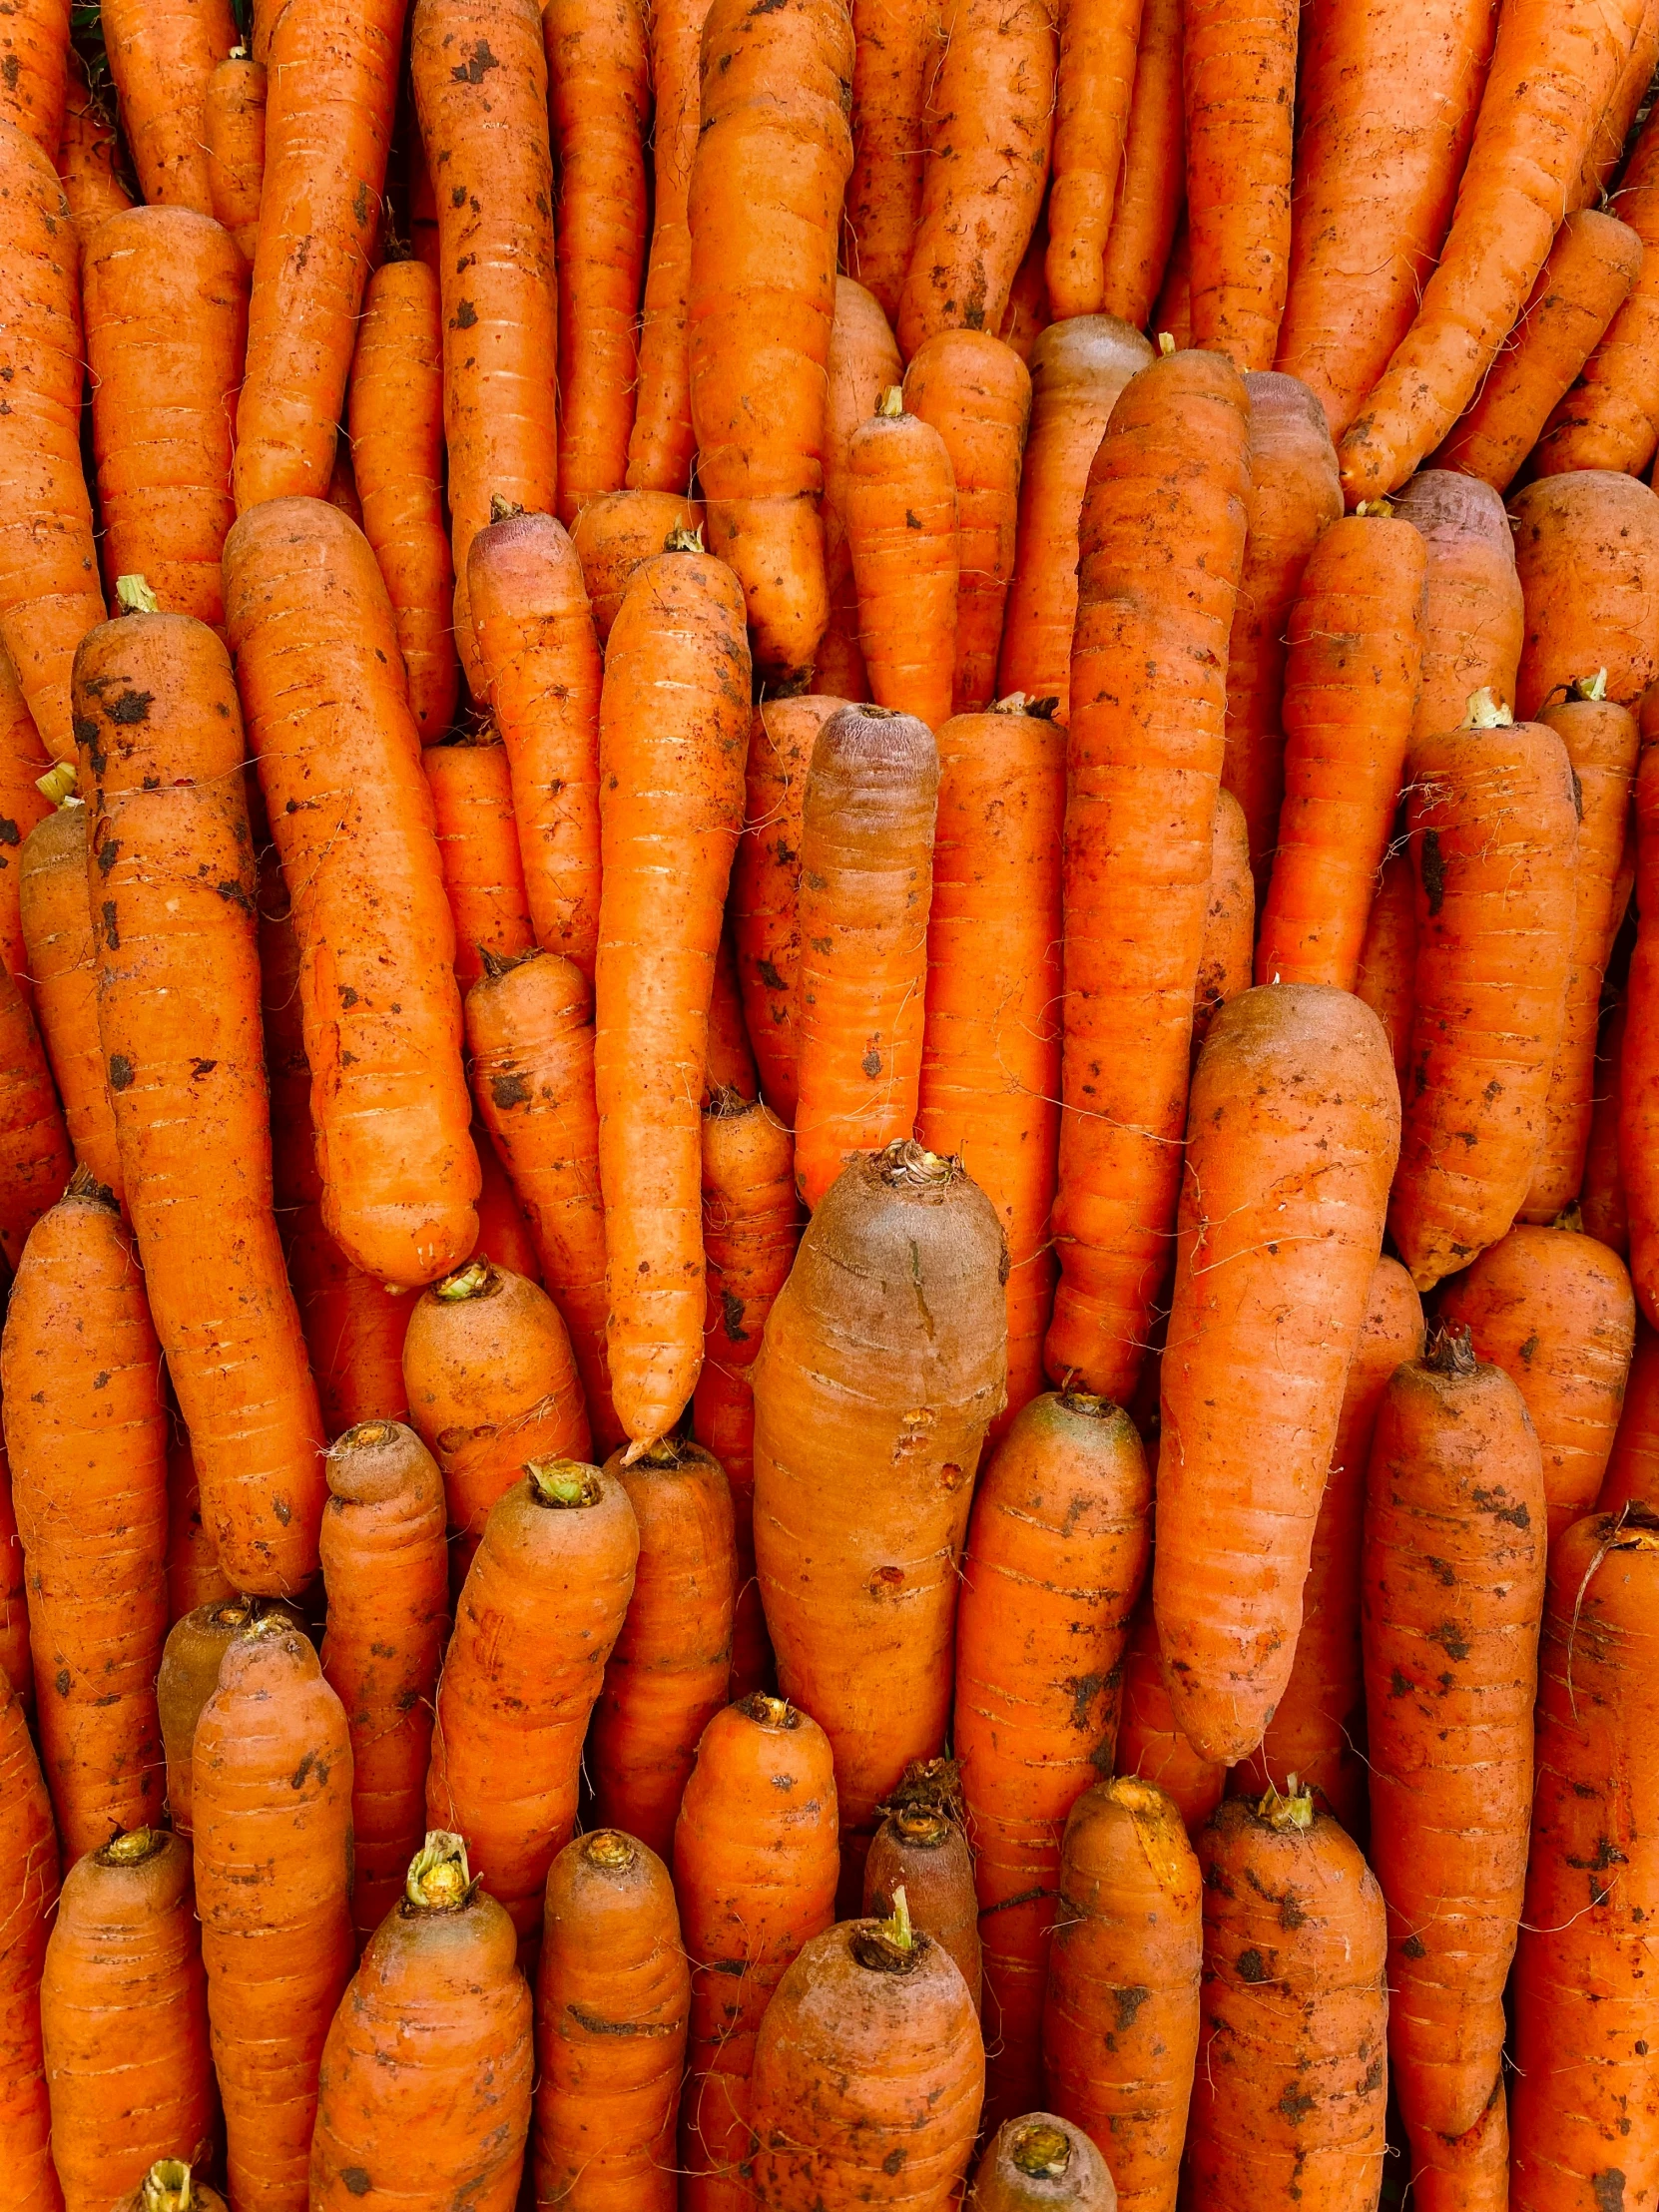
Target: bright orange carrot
(1149, 1742)
(1027, 316)
(1386, 978)
(160, 58)
(35, 1159)
(863, 363)
(1099, 43)
(728, 1062)
(233, 122)
(1631, 86)
(16, 1668)
(35, 71)
(56, 915)
(89, 158)
(477, 834)
(1474, 624)
(1224, 967)
(1585, 546)
(902, 534)
(1240, 81)
(194, 1574)
(503, 1230)
(23, 805)
(1152, 185)
(28, 1894)
(1172, 312)
(662, 445)
(1632, 1476)
(614, 533)
(895, 53)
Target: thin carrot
(1601, 1199)
(1026, 2157)
(1474, 624)
(1224, 965)
(1639, 1068)
(343, 487)
(503, 1229)
(35, 1158)
(863, 363)
(1240, 81)
(728, 1061)
(1585, 545)
(161, 56)
(16, 1669)
(89, 158)
(1152, 185)
(233, 122)
(194, 1574)
(23, 807)
(56, 915)
(35, 71)
(921, 1851)
(618, 531)
(902, 533)
(28, 1894)
(1094, 85)
(354, 1327)
(477, 834)
(189, 1675)
(895, 53)
(1027, 316)
(1469, 2173)
(1172, 312)
(1632, 1476)
(662, 445)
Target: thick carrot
(661, 444)
(28, 1895)
(976, 393)
(1474, 624)
(89, 158)
(35, 71)
(1318, 1727)
(1161, 546)
(194, 1574)
(1387, 101)
(613, 2002)
(1240, 85)
(861, 1507)
(1583, 2101)
(921, 1851)
(866, 846)
(56, 913)
(990, 1059)
(385, 1569)
(16, 1668)
(1120, 2018)
(1281, 1225)
(1601, 1199)
(1453, 1591)
(161, 56)
(1292, 2076)
(1295, 498)
(673, 733)
(1609, 418)
(396, 425)
(271, 1799)
(1495, 836)
(1225, 964)
(1094, 85)
(599, 84)
(124, 2018)
(1631, 87)
(35, 1158)
(233, 122)
(1351, 676)
(1554, 70)
(728, 1061)
(1633, 1465)
(329, 118)
(48, 596)
(541, 1607)
(339, 766)
(990, 107)
(438, 2113)
(773, 157)
(755, 1872)
(1041, 2161)
(895, 54)
(1056, 1554)
(23, 805)
(863, 363)
(618, 531)
(1586, 548)
(1078, 369)
(902, 533)
(86, 1433)
(477, 834)
(1152, 185)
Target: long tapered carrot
(895, 53)
(1099, 42)
(1609, 418)
(1474, 622)
(233, 122)
(1584, 550)
(478, 837)
(863, 363)
(56, 913)
(87, 157)
(1149, 1742)
(902, 534)
(661, 444)
(1613, 126)
(160, 58)
(1153, 182)
(1601, 1199)
(1162, 537)
(16, 1668)
(28, 1894)
(614, 533)
(35, 1159)
(1240, 81)
(1225, 964)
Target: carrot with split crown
(161, 56)
(863, 363)
(618, 531)
(1150, 1744)
(902, 533)
(28, 1895)
(233, 122)
(35, 71)
(56, 915)
(1041, 2161)
(35, 1158)
(1224, 966)
(1151, 187)
(87, 157)
(477, 834)
(661, 444)
(920, 1850)
(895, 54)
(1240, 86)
(1609, 419)
(1474, 621)
(1099, 44)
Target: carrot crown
(906, 1165)
(84, 1184)
(1375, 509)
(1294, 1810)
(503, 510)
(1040, 2149)
(890, 405)
(563, 1484)
(922, 1825)
(367, 1435)
(681, 540)
(1450, 1352)
(476, 1279)
(131, 1848)
(1021, 703)
(165, 2187)
(497, 964)
(610, 1850)
(776, 1713)
(1592, 687)
(438, 1879)
(57, 785)
(1486, 711)
(133, 596)
(891, 1946)
(1088, 1402)
(726, 1104)
(1166, 344)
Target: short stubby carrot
(1225, 963)
(862, 365)
(472, 799)
(902, 534)
(1586, 548)
(35, 1158)
(1152, 187)
(1240, 82)
(233, 122)
(618, 531)
(661, 444)
(1474, 622)
(28, 1895)
(1099, 43)
(54, 910)
(922, 1850)
(1037, 2160)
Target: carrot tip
(1040, 2149)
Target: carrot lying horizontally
(902, 534)
(1474, 622)
(478, 837)
(1039, 2160)
(28, 1894)
(1240, 94)
(233, 124)
(55, 911)
(618, 531)
(863, 363)
(35, 1159)
(895, 54)
(160, 58)
(661, 444)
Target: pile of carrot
(830, 1105)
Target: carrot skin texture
(1601, 1199)
(1608, 419)
(1158, 593)
(194, 1574)
(1632, 1476)
(1639, 1061)
(1586, 547)
(1152, 185)
(618, 531)
(1094, 85)
(23, 807)
(1293, 1133)
(56, 915)
(661, 444)
(478, 835)
(863, 363)
(902, 533)
(161, 59)
(16, 1668)
(29, 1854)
(87, 157)
(1150, 1744)
(35, 72)
(35, 1159)
(1474, 622)
(233, 122)
(1224, 967)
(895, 53)
(1239, 84)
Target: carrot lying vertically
(1162, 547)
(1474, 622)
(755, 1872)
(1037, 2160)
(28, 1894)
(1638, 1080)
(35, 1158)
(233, 122)
(612, 1999)
(728, 1062)
(857, 1566)
(23, 807)
(1056, 1553)
(86, 1433)
(1226, 962)
(990, 1050)
(902, 534)
(194, 1574)
(1583, 2105)
(862, 365)
(339, 768)
(1172, 315)
(895, 53)
(56, 915)
(1608, 419)
(188, 1677)
(1601, 1199)
(542, 1604)
(661, 444)
(472, 799)
(599, 89)
(866, 844)
(161, 56)
(16, 1668)
(48, 596)
(1099, 43)
(124, 2018)
(1585, 546)
(618, 531)
(1240, 81)
(1605, 150)
(1152, 184)
(1633, 1465)
(921, 1849)
(89, 158)
(1280, 1226)
(271, 1806)
(170, 869)
(35, 72)
(502, 1227)
(1495, 836)
(396, 424)
(329, 118)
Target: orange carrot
(1632, 1476)
(29, 1856)
(160, 58)
(1027, 316)
(56, 913)
(35, 1159)
(233, 122)
(921, 1852)
(1172, 312)
(895, 53)
(1605, 150)
(1152, 184)
(478, 845)
(662, 445)
(1149, 1742)
(503, 1231)
(1099, 40)
(23, 805)
(1473, 627)
(728, 1061)
(1239, 80)
(1028, 2156)
(89, 157)
(863, 363)
(35, 71)
(902, 533)
(194, 1574)
(189, 1675)
(1224, 967)
(1585, 545)
(1386, 978)
(16, 1669)
(1602, 1199)
(614, 533)
(1639, 1068)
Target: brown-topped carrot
(233, 124)
(1224, 965)
(1240, 79)
(902, 534)
(1586, 547)
(618, 531)
(661, 444)
(863, 363)
(28, 1894)
(478, 837)
(162, 57)
(1041, 2161)
(1099, 44)
(1474, 624)
(922, 1850)
(55, 911)
(895, 54)
(35, 1158)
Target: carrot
(355, 1328)
(618, 531)
(48, 596)
(661, 444)
(170, 2186)
(16, 1669)
(503, 1231)
(1292, 2075)
(1608, 419)
(1281, 1224)
(1041, 2161)
(1582, 2108)
(1161, 546)
(599, 83)
(869, 2072)
(1240, 85)
(339, 768)
(1151, 187)
(1078, 369)
(902, 533)
(762, 908)
(28, 1895)
(1474, 622)
(1099, 45)
(728, 1061)
(1318, 1727)
(976, 393)
(990, 1057)
(673, 730)
(188, 1677)
(165, 295)
(396, 427)
(385, 1567)
(990, 107)
(922, 1851)
(161, 56)
(1552, 73)
(1601, 1199)
(1638, 1071)
(233, 122)
(35, 1159)
(755, 1872)
(613, 1999)
(23, 807)
(332, 96)
(751, 1228)
(531, 1041)
(88, 157)
(1632, 1476)
(867, 842)
(1224, 966)
(543, 1603)
(1295, 498)
(479, 846)
(895, 54)
(1469, 2173)
(1454, 1579)
(1584, 548)
(35, 72)
(1351, 676)
(1172, 312)
(1388, 97)
(839, 1386)
(343, 488)
(1056, 1554)
(1027, 316)
(271, 1800)
(1495, 836)
(124, 2018)
(194, 1574)
(1606, 146)
(171, 867)
(863, 363)
(56, 915)
(439, 2115)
